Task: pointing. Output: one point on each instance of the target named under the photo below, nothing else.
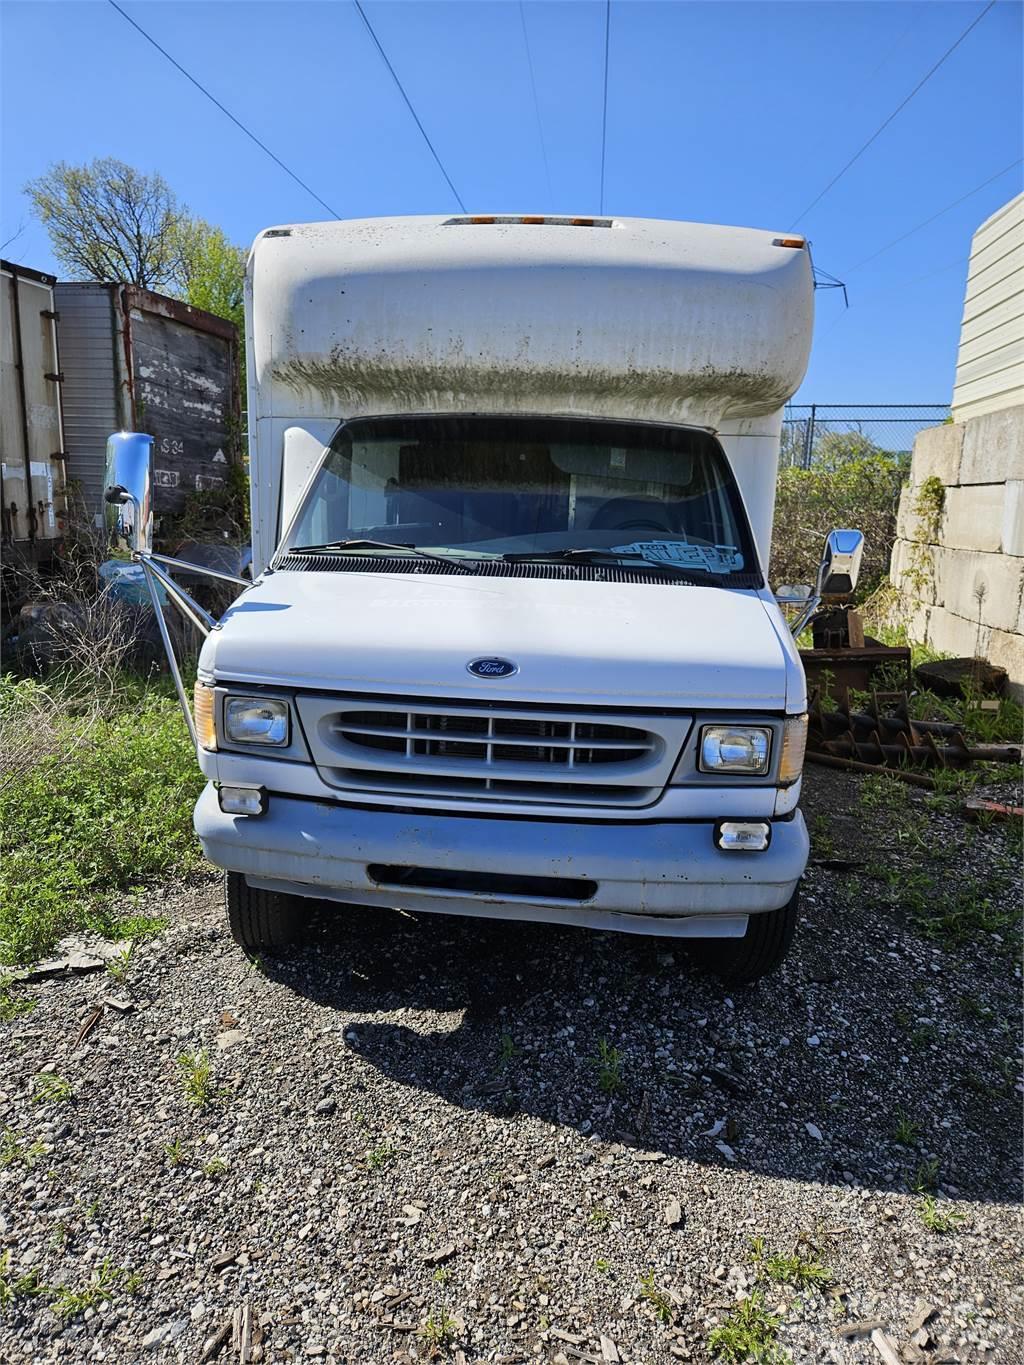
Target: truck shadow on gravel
(872, 1058)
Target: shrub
(861, 491)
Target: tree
(211, 270)
(108, 221)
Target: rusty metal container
(138, 361)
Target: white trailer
(511, 650)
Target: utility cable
(604, 102)
(910, 232)
(226, 112)
(408, 103)
(536, 103)
(899, 108)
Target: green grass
(15, 1151)
(17, 1287)
(379, 1157)
(907, 1130)
(100, 1288)
(49, 1088)
(748, 1336)
(925, 1179)
(102, 805)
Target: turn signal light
(206, 727)
(794, 742)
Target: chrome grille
(498, 753)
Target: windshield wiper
(409, 549)
(598, 552)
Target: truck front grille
(496, 753)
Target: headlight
(256, 720)
(735, 749)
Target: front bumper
(663, 878)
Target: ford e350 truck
(510, 650)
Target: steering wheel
(632, 511)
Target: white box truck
(510, 650)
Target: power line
(882, 127)
(604, 103)
(536, 103)
(408, 103)
(896, 240)
(227, 112)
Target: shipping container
(138, 361)
(32, 474)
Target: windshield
(483, 487)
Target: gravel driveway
(445, 1139)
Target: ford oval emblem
(492, 668)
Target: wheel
(758, 952)
(261, 921)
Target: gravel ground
(442, 1138)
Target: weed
(907, 1130)
(117, 965)
(757, 1248)
(12, 1150)
(973, 1009)
(100, 1289)
(796, 1270)
(507, 1051)
(656, 1297)
(92, 1209)
(20, 1287)
(13, 1004)
(602, 1265)
(215, 1168)
(821, 836)
(748, 1334)
(438, 1328)
(197, 1078)
(922, 1036)
(926, 1178)
(379, 1157)
(609, 1063)
(49, 1088)
(175, 1153)
(600, 1217)
(882, 793)
(441, 1275)
(936, 1219)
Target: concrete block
(1013, 517)
(937, 453)
(980, 587)
(906, 517)
(955, 635)
(973, 517)
(1006, 649)
(993, 447)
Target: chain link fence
(817, 433)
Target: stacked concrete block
(960, 574)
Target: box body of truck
(511, 650)
(32, 471)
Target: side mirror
(128, 492)
(840, 564)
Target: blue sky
(721, 111)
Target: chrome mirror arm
(201, 568)
(150, 572)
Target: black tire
(261, 921)
(741, 961)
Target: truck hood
(648, 645)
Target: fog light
(750, 836)
(243, 800)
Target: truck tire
(741, 961)
(261, 921)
